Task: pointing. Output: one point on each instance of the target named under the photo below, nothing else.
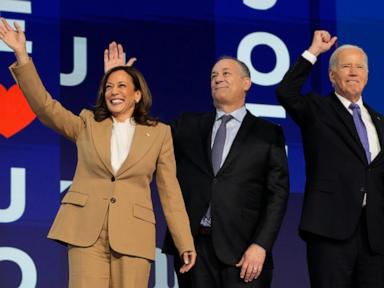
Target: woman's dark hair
(142, 108)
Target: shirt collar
(346, 102)
(238, 114)
(129, 121)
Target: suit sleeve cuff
(309, 56)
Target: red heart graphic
(15, 113)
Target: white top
(121, 141)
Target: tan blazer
(96, 192)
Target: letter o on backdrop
(244, 52)
(260, 4)
(25, 263)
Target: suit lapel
(347, 120)
(206, 126)
(102, 133)
(143, 139)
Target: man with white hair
(343, 211)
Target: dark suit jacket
(248, 196)
(337, 171)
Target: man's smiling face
(350, 73)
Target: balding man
(233, 173)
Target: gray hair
(334, 57)
(244, 68)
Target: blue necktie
(361, 130)
(218, 143)
(217, 156)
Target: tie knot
(354, 106)
(226, 118)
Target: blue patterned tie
(361, 130)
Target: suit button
(215, 180)
(113, 200)
(362, 189)
(113, 179)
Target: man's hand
(321, 42)
(189, 259)
(14, 40)
(252, 262)
(114, 56)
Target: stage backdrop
(176, 43)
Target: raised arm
(289, 90)
(114, 56)
(49, 111)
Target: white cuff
(309, 56)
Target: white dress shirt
(121, 141)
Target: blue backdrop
(176, 43)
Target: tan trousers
(99, 266)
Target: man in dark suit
(343, 213)
(233, 173)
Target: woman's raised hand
(14, 40)
(114, 56)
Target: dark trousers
(344, 264)
(210, 272)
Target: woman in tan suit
(107, 218)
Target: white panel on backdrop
(16, 6)
(264, 110)
(260, 4)
(25, 263)
(79, 72)
(64, 184)
(17, 197)
(161, 274)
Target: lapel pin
(378, 118)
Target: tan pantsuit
(98, 266)
(123, 197)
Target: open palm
(114, 56)
(13, 39)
